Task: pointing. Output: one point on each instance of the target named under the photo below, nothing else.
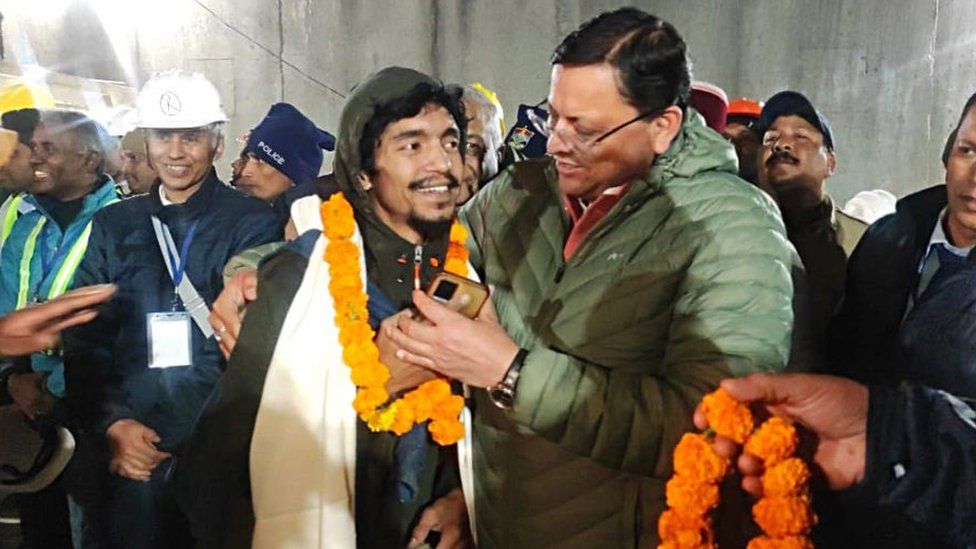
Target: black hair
(647, 53)
(750, 122)
(22, 121)
(408, 106)
(947, 150)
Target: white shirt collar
(939, 237)
(166, 201)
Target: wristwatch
(503, 394)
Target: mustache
(781, 155)
(451, 181)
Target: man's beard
(430, 229)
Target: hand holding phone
(458, 293)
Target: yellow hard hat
(8, 141)
(493, 98)
(18, 95)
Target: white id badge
(169, 339)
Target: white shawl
(303, 451)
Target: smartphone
(458, 293)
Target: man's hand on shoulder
(228, 310)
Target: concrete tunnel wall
(891, 75)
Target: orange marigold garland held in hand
(431, 401)
(784, 513)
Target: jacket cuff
(108, 419)
(886, 452)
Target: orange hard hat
(744, 106)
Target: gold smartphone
(458, 293)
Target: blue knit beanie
(289, 141)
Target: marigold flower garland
(432, 401)
(784, 513)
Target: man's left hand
(449, 516)
(476, 352)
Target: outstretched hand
(38, 328)
(833, 409)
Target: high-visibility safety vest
(65, 272)
(10, 211)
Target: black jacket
(213, 479)
(921, 460)
(876, 342)
(109, 378)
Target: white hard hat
(30, 460)
(177, 99)
(870, 206)
(120, 120)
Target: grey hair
(491, 116)
(89, 135)
(215, 130)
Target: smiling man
(140, 374)
(631, 272)
(399, 163)
(17, 175)
(63, 172)
(47, 244)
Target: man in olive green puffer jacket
(631, 272)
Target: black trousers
(144, 515)
(44, 520)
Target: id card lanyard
(176, 262)
(176, 265)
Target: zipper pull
(418, 258)
(559, 273)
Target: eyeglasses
(546, 126)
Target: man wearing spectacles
(631, 271)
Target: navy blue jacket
(934, 344)
(108, 377)
(921, 462)
(875, 342)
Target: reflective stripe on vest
(67, 270)
(11, 212)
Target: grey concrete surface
(891, 75)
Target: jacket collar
(103, 193)
(921, 210)
(812, 218)
(195, 205)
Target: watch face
(502, 397)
